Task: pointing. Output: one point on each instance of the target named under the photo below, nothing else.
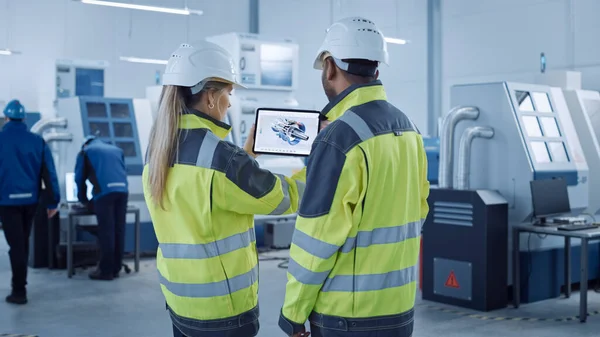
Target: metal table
(81, 212)
(585, 235)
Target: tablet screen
(285, 132)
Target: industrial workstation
(328, 168)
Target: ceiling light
(142, 60)
(395, 41)
(8, 52)
(184, 11)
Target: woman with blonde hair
(202, 193)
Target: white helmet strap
(356, 68)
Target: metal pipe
(57, 137)
(447, 141)
(42, 125)
(464, 153)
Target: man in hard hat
(353, 260)
(103, 164)
(25, 162)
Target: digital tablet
(286, 132)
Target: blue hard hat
(14, 110)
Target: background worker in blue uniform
(25, 162)
(103, 164)
(354, 254)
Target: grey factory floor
(133, 306)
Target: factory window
(532, 126)
(524, 100)
(99, 129)
(542, 102)
(123, 130)
(118, 110)
(550, 127)
(559, 154)
(96, 110)
(540, 152)
(128, 148)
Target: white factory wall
(46, 30)
(492, 40)
(305, 21)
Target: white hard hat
(353, 38)
(191, 66)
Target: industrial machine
(80, 78)
(584, 106)
(124, 122)
(529, 135)
(432, 149)
(269, 69)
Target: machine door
(113, 120)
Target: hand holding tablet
(287, 132)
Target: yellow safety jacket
(207, 258)
(355, 248)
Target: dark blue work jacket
(26, 161)
(103, 165)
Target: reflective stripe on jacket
(207, 258)
(355, 248)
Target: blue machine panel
(31, 118)
(113, 120)
(432, 148)
(89, 82)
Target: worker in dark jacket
(103, 164)
(25, 162)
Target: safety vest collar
(354, 95)
(194, 119)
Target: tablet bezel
(283, 110)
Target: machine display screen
(540, 152)
(71, 188)
(524, 99)
(542, 102)
(532, 126)
(550, 127)
(286, 132)
(276, 65)
(559, 153)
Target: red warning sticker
(451, 282)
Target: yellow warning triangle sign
(451, 282)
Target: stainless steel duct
(447, 141)
(57, 137)
(42, 125)
(464, 153)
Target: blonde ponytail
(164, 142)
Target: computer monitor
(71, 188)
(550, 197)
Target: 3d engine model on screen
(289, 130)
